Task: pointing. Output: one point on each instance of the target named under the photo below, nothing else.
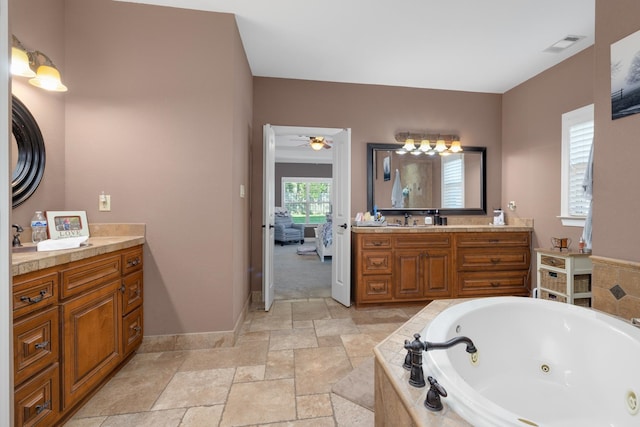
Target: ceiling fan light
(316, 144)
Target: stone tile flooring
(279, 373)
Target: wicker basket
(581, 283)
(552, 297)
(554, 281)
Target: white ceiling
(467, 45)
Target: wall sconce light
(444, 144)
(37, 66)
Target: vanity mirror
(28, 153)
(418, 184)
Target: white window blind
(577, 138)
(453, 181)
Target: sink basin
(21, 249)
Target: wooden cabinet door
(408, 282)
(436, 273)
(92, 327)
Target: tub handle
(433, 402)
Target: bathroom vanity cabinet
(564, 276)
(395, 264)
(75, 324)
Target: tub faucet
(635, 321)
(413, 359)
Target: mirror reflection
(454, 184)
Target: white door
(341, 262)
(268, 207)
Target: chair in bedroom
(286, 230)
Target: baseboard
(195, 341)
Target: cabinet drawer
(132, 330)
(376, 288)
(131, 292)
(132, 261)
(379, 241)
(376, 262)
(497, 283)
(493, 239)
(423, 240)
(493, 259)
(83, 275)
(37, 402)
(34, 291)
(553, 261)
(35, 343)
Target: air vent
(563, 44)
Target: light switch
(242, 191)
(104, 203)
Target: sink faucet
(16, 237)
(406, 218)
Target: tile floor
(279, 373)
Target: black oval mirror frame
(31, 154)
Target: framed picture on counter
(63, 224)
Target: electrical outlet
(512, 205)
(104, 203)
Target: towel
(57, 244)
(587, 186)
(396, 193)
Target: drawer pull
(377, 263)
(495, 284)
(35, 300)
(495, 260)
(377, 243)
(42, 345)
(494, 240)
(133, 262)
(377, 287)
(135, 328)
(45, 405)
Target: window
(308, 200)
(577, 138)
(453, 181)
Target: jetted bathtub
(539, 363)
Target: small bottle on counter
(436, 218)
(38, 227)
(581, 245)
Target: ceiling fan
(317, 143)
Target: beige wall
(43, 31)
(158, 115)
(531, 147)
(374, 114)
(617, 151)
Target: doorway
(297, 179)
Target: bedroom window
(577, 138)
(308, 200)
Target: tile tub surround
(616, 287)
(396, 402)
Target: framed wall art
(625, 76)
(63, 224)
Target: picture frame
(65, 224)
(625, 76)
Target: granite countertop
(104, 238)
(441, 228)
(390, 355)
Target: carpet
(300, 276)
(357, 386)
